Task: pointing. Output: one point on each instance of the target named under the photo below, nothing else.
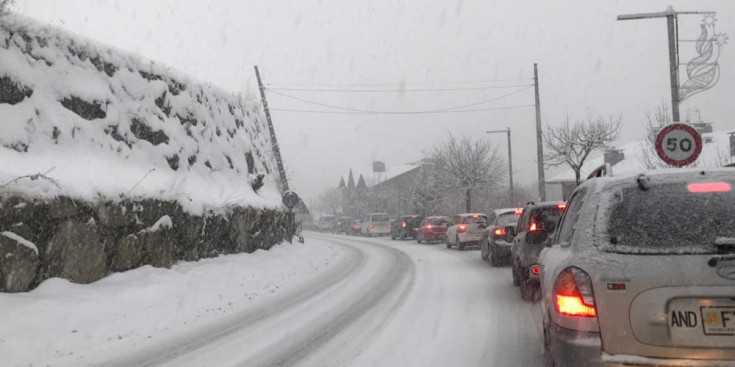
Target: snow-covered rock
(100, 123)
(18, 262)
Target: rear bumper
(434, 236)
(572, 348)
(470, 237)
(627, 361)
(502, 248)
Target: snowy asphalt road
(386, 303)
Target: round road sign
(678, 144)
(290, 199)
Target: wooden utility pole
(539, 139)
(274, 141)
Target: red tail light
(339, 223)
(403, 225)
(562, 205)
(371, 225)
(535, 270)
(532, 227)
(429, 227)
(462, 228)
(499, 231)
(709, 187)
(518, 211)
(573, 294)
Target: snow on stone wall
(103, 123)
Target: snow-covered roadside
(60, 323)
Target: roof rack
(603, 171)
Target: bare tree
(656, 121)
(330, 200)
(571, 144)
(467, 165)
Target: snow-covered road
(356, 302)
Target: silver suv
(642, 272)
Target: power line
(401, 113)
(397, 112)
(395, 84)
(399, 90)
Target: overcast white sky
(589, 64)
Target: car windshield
(340, 183)
(669, 218)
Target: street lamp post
(510, 159)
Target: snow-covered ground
(61, 323)
(335, 301)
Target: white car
(466, 229)
(642, 272)
(376, 224)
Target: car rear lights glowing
(429, 227)
(535, 270)
(706, 187)
(562, 205)
(403, 224)
(462, 228)
(518, 211)
(499, 231)
(370, 226)
(573, 294)
(475, 216)
(532, 227)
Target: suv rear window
(472, 220)
(380, 218)
(668, 218)
(507, 219)
(545, 217)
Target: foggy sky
(589, 64)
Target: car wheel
(516, 279)
(460, 245)
(528, 290)
(483, 250)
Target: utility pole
(274, 142)
(539, 139)
(672, 25)
(510, 159)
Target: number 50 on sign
(678, 144)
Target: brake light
(709, 187)
(562, 205)
(535, 270)
(339, 223)
(371, 225)
(518, 211)
(462, 228)
(573, 294)
(475, 216)
(403, 225)
(533, 227)
(499, 231)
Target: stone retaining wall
(83, 241)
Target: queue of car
(624, 276)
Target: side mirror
(536, 237)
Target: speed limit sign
(678, 144)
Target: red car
(432, 229)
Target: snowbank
(102, 123)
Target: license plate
(718, 320)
